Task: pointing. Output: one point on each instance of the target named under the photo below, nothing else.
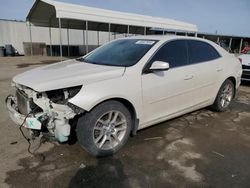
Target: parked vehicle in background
(245, 50)
(245, 60)
(123, 86)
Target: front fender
(94, 94)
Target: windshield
(124, 52)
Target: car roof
(163, 37)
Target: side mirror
(159, 66)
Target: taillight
(240, 60)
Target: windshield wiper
(84, 60)
(80, 59)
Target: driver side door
(169, 92)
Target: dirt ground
(201, 149)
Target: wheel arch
(215, 106)
(233, 79)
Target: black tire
(86, 123)
(217, 106)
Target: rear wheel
(224, 96)
(105, 129)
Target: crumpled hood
(66, 74)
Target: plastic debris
(217, 153)
(82, 166)
(153, 138)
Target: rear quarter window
(200, 51)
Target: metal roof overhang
(46, 13)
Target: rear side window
(201, 51)
(173, 52)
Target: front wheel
(105, 129)
(224, 96)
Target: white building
(64, 24)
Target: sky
(229, 17)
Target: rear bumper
(17, 118)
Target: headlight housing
(62, 96)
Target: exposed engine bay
(42, 112)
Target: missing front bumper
(26, 121)
(57, 126)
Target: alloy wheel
(109, 130)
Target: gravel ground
(200, 149)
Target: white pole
(50, 42)
(87, 41)
(60, 35)
(98, 38)
(83, 38)
(241, 42)
(145, 31)
(98, 34)
(230, 44)
(31, 46)
(128, 31)
(109, 32)
(68, 41)
(218, 40)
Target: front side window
(124, 52)
(201, 51)
(173, 52)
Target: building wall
(17, 32)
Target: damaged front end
(47, 111)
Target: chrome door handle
(188, 77)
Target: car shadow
(108, 171)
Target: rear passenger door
(207, 68)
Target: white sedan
(123, 86)
(245, 60)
